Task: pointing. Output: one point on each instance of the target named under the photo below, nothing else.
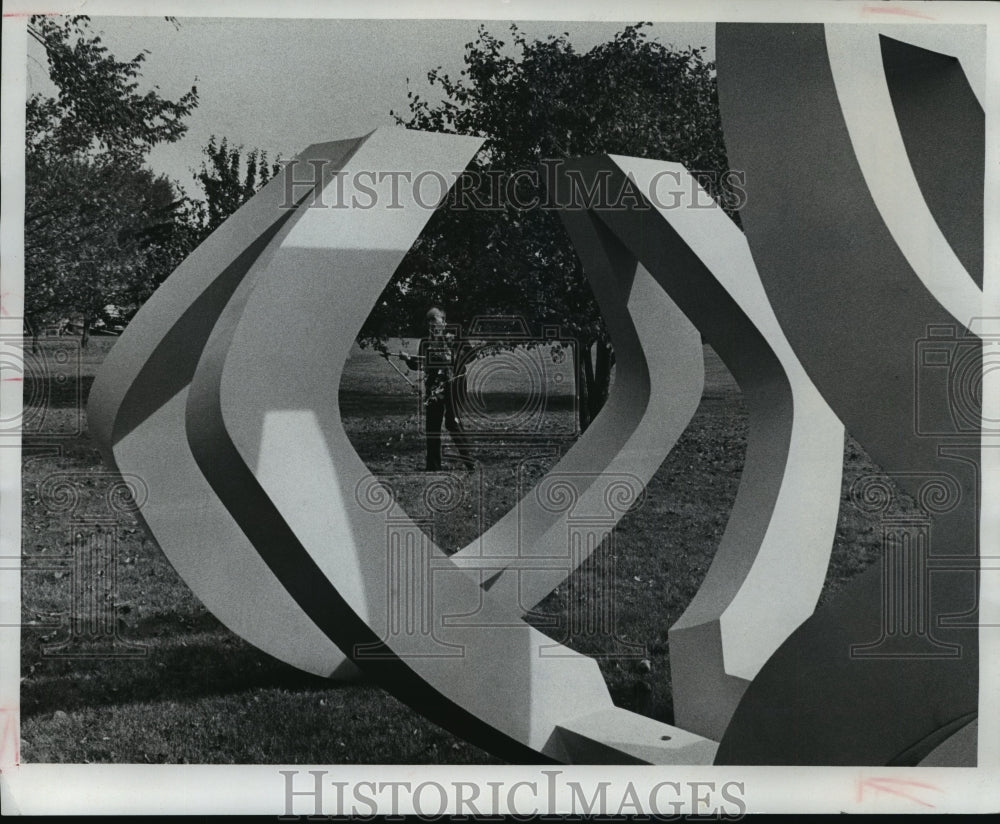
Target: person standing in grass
(438, 358)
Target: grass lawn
(177, 687)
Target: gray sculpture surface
(763, 581)
(822, 699)
(136, 415)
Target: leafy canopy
(99, 227)
(230, 178)
(99, 107)
(536, 101)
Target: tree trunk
(598, 392)
(85, 332)
(33, 331)
(584, 381)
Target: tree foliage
(99, 107)
(533, 102)
(99, 227)
(230, 178)
(92, 235)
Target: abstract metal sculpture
(917, 133)
(856, 314)
(771, 562)
(223, 396)
(136, 415)
(269, 438)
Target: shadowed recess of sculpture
(944, 129)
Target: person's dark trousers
(443, 410)
(435, 414)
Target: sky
(281, 84)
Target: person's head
(436, 320)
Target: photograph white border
(170, 789)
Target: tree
(95, 234)
(230, 179)
(99, 108)
(540, 102)
(97, 223)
